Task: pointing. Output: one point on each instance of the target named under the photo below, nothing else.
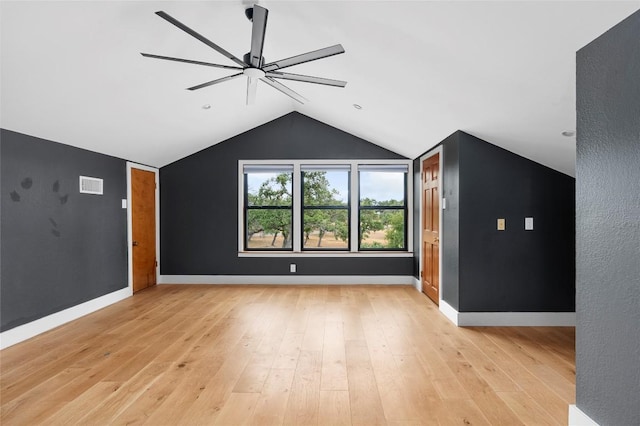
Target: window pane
(268, 229)
(382, 188)
(326, 228)
(268, 189)
(326, 187)
(383, 229)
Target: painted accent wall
(59, 248)
(199, 202)
(608, 226)
(515, 270)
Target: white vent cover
(90, 185)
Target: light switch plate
(528, 224)
(124, 203)
(501, 224)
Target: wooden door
(143, 220)
(430, 273)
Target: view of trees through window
(269, 210)
(325, 216)
(325, 219)
(382, 209)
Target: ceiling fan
(252, 65)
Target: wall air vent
(90, 185)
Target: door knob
(135, 243)
(436, 239)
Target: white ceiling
(503, 71)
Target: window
(268, 207)
(320, 206)
(325, 198)
(382, 207)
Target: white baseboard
(287, 279)
(448, 311)
(578, 418)
(26, 331)
(417, 284)
(516, 319)
(508, 319)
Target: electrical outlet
(292, 267)
(501, 224)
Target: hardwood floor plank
(275, 355)
(392, 390)
(334, 364)
(419, 387)
(35, 405)
(334, 408)
(527, 410)
(289, 351)
(238, 409)
(461, 412)
(364, 399)
(272, 403)
(104, 411)
(72, 412)
(303, 404)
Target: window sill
(276, 253)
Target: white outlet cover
(124, 203)
(528, 224)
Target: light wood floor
(272, 355)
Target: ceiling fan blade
(200, 37)
(305, 57)
(252, 86)
(189, 61)
(257, 35)
(306, 78)
(216, 81)
(284, 89)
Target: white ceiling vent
(90, 185)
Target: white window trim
(297, 211)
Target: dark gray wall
(451, 221)
(485, 270)
(514, 270)
(608, 226)
(199, 202)
(59, 248)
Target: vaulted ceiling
(501, 70)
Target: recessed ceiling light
(206, 106)
(568, 133)
(356, 106)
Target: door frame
(156, 172)
(437, 150)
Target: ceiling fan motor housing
(247, 59)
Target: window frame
(327, 167)
(354, 213)
(247, 207)
(403, 208)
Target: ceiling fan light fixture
(253, 72)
